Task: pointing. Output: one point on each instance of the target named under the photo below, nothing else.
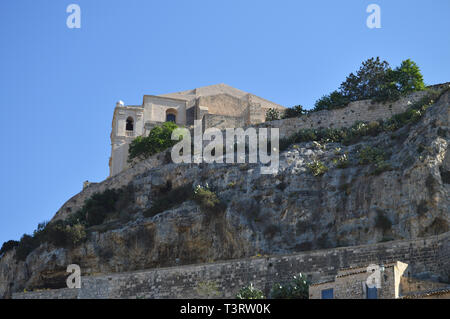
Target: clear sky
(59, 86)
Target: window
(130, 124)
(327, 293)
(171, 118)
(171, 115)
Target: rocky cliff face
(352, 202)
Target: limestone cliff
(265, 214)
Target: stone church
(219, 105)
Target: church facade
(219, 106)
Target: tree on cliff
(376, 80)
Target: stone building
(396, 281)
(220, 106)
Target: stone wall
(65, 293)
(223, 104)
(444, 261)
(222, 121)
(224, 279)
(413, 285)
(363, 111)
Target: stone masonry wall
(65, 293)
(222, 121)
(363, 111)
(224, 279)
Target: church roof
(218, 89)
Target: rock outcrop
(265, 214)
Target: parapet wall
(224, 279)
(362, 111)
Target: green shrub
(26, 245)
(110, 203)
(98, 206)
(272, 115)
(8, 245)
(280, 291)
(250, 292)
(158, 140)
(381, 167)
(169, 199)
(334, 100)
(375, 156)
(298, 288)
(295, 111)
(317, 168)
(207, 200)
(342, 161)
(71, 231)
(61, 234)
(371, 155)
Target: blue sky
(58, 86)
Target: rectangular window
(327, 293)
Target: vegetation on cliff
(374, 80)
(158, 140)
(58, 233)
(8, 245)
(169, 198)
(297, 288)
(101, 206)
(69, 233)
(355, 133)
(250, 292)
(295, 111)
